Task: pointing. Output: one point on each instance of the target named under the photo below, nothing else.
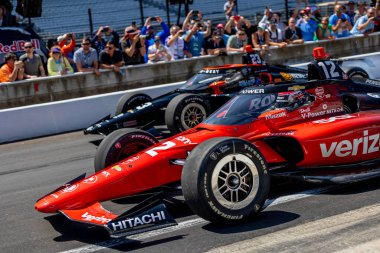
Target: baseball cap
(351, 2)
(60, 38)
(262, 26)
(248, 49)
(131, 30)
(56, 50)
(220, 26)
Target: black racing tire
(131, 100)
(225, 180)
(357, 72)
(185, 111)
(121, 144)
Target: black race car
(189, 105)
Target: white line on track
(190, 223)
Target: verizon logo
(362, 146)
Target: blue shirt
(360, 21)
(195, 43)
(342, 32)
(308, 29)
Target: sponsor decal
(130, 160)
(209, 71)
(286, 76)
(91, 180)
(276, 116)
(332, 119)
(374, 95)
(224, 149)
(280, 134)
(321, 113)
(117, 145)
(253, 91)
(373, 82)
(366, 144)
(262, 102)
(117, 168)
(246, 83)
(89, 217)
(296, 87)
(185, 140)
(154, 216)
(18, 45)
(106, 173)
(214, 156)
(70, 188)
(319, 92)
(298, 76)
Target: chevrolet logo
(296, 87)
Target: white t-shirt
(160, 57)
(176, 48)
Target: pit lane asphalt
(339, 220)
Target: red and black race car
(319, 131)
(196, 99)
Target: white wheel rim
(192, 114)
(235, 181)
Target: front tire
(131, 100)
(225, 180)
(185, 111)
(121, 144)
(357, 73)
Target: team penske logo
(366, 144)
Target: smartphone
(153, 19)
(195, 13)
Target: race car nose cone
(44, 206)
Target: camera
(105, 29)
(142, 36)
(343, 19)
(153, 19)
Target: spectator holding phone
(362, 9)
(230, 8)
(104, 34)
(67, 44)
(340, 23)
(365, 24)
(307, 25)
(176, 44)
(215, 45)
(194, 38)
(133, 46)
(32, 62)
(58, 64)
(158, 52)
(12, 70)
(240, 23)
(150, 32)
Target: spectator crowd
(156, 42)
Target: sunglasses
(85, 44)
(131, 31)
(56, 53)
(241, 34)
(28, 47)
(110, 48)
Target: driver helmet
(291, 100)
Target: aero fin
(148, 215)
(94, 214)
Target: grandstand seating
(59, 17)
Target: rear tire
(121, 144)
(185, 111)
(225, 180)
(131, 100)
